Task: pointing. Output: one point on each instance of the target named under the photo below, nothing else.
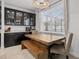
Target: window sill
(58, 33)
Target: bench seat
(37, 50)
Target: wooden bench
(37, 50)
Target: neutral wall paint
(74, 25)
(37, 21)
(16, 28)
(18, 8)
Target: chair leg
(67, 57)
(51, 56)
(54, 56)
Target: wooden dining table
(45, 39)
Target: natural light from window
(52, 20)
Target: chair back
(68, 42)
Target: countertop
(17, 32)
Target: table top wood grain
(46, 39)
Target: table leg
(49, 54)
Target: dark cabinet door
(32, 21)
(9, 16)
(19, 18)
(16, 17)
(12, 39)
(0, 15)
(26, 18)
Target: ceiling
(23, 3)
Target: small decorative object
(8, 29)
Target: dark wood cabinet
(0, 17)
(26, 19)
(13, 39)
(32, 21)
(9, 16)
(17, 18)
(20, 18)
(10, 40)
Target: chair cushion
(58, 49)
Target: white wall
(74, 25)
(18, 8)
(16, 28)
(37, 21)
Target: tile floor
(16, 53)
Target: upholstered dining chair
(62, 49)
(59, 42)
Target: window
(52, 20)
(54, 24)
